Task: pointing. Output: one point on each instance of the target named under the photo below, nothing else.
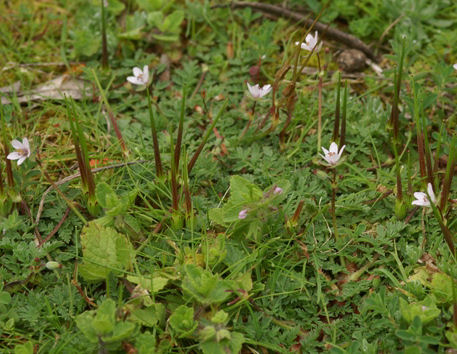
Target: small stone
(352, 60)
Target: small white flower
(332, 156)
(141, 77)
(277, 190)
(243, 213)
(22, 151)
(422, 198)
(455, 66)
(258, 92)
(310, 43)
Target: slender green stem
(336, 124)
(319, 112)
(105, 63)
(205, 138)
(334, 189)
(9, 170)
(155, 141)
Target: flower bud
(51, 265)
(400, 209)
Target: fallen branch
(332, 33)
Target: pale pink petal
(455, 66)
(334, 148)
(137, 71)
(419, 195)
(145, 74)
(16, 144)
(133, 80)
(266, 89)
(341, 151)
(420, 203)
(431, 193)
(14, 155)
(21, 160)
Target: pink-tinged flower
(243, 213)
(22, 151)
(310, 43)
(455, 66)
(332, 156)
(422, 198)
(277, 190)
(140, 77)
(258, 92)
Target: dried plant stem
(64, 197)
(251, 118)
(75, 176)
(449, 175)
(155, 141)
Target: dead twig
(332, 33)
(55, 229)
(77, 175)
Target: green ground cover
(247, 237)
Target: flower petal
(14, 156)
(341, 151)
(430, 192)
(21, 160)
(134, 80)
(17, 144)
(137, 71)
(420, 195)
(420, 203)
(334, 148)
(266, 89)
(146, 74)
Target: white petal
(145, 74)
(341, 151)
(420, 195)
(266, 89)
(26, 144)
(334, 148)
(17, 144)
(137, 71)
(14, 156)
(430, 192)
(134, 80)
(21, 160)
(327, 159)
(420, 203)
(455, 66)
(325, 150)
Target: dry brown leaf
(56, 89)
